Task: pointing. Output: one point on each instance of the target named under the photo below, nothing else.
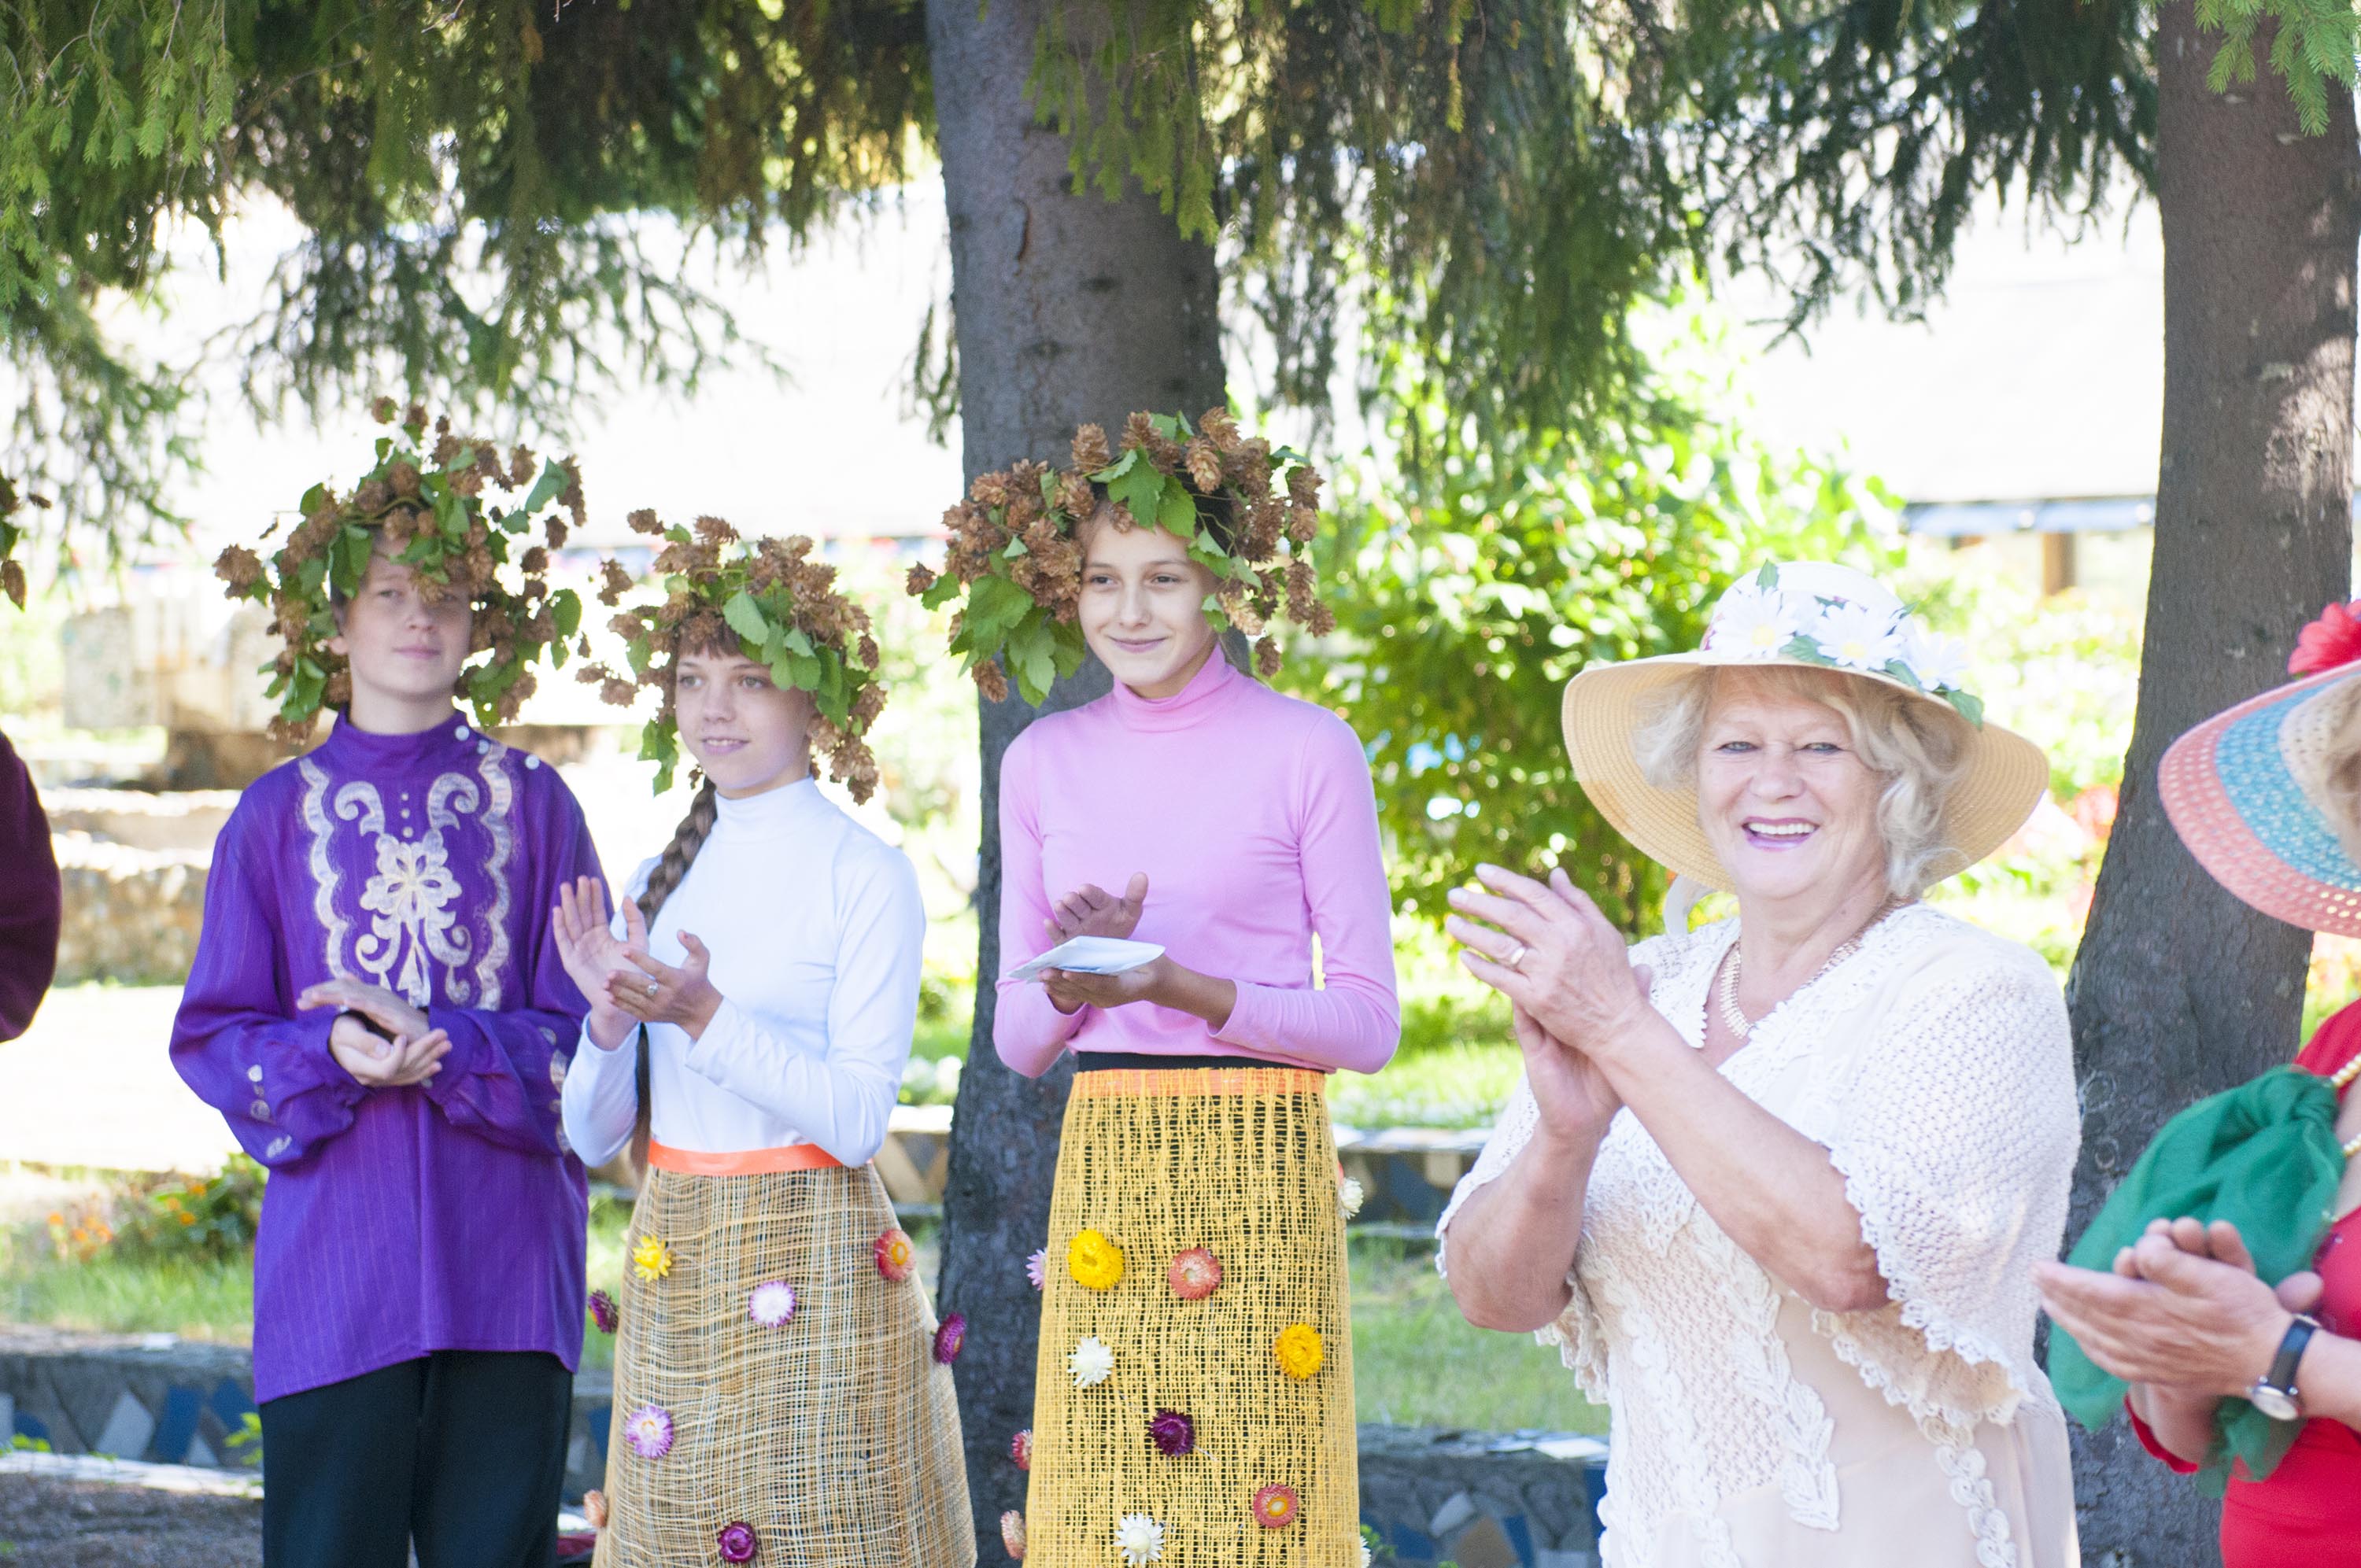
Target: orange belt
(743, 1162)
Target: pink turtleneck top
(1253, 816)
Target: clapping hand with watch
(2184, 1319)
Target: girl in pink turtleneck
(1195, 1387)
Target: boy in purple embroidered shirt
(377, 1008)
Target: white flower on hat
(1940, 663)
(1756, 621)
(1140, 1540)
(1855, 636)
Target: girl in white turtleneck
(782, 1391)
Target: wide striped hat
(2267, 794)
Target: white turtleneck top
(816, 927)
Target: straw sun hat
(1813, 615)
(2258, 792)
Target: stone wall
(1481, 1499)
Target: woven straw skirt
(834, 1435)
(1239, 1162)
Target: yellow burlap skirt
(834, 1435)
(1239, 1162)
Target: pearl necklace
(1735, 1017)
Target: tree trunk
(1070, 308)
(2179, 990)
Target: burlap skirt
(1241, 1163)
(834, 1435)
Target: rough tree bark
(1070, 308)
(2179, 990)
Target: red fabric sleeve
(2334, 1042)
(2147, 1435)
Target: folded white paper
(1090, 955)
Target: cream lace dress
(1748, 1429)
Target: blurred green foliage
(1472, 589)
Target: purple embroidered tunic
(397, 1221)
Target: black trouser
(464, 1451)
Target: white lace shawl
(1936, 1066)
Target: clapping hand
(593, 954)
(1548, 949)
(1090, 911)
(1072, 990)
(376, 1062)
(2182, 1309)
(381, 1040)
(394, 1017)
(655, 993)
(1573, 1096)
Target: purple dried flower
(949, 1337)
(737, 1542)
(1174, 1433)
(649, 1431)
(604, 1312)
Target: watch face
(2273, 1403)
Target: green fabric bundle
(2264, 1157)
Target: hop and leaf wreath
(12, 533)
(427, 507)
(768, 597)
(1247, 511)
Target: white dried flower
(1139, 1537)
(1091, 1363)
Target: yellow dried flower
(1095, 1262)
(651, 1259)
(1298, 1351)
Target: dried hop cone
(1091, 450)
(993, 681)
(1204, 462)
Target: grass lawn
(1414, 1360)
(195, 1300)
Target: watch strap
(2292, 1345)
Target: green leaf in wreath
(1118, 468)
(747, 619)
(797, 641)
(994, 605)
(566, 612)
(1178, 514)
(1970, 705)
(353, 550)
(1032, 659)
(544, 489)
(1139, 491)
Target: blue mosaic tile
(170, 1445)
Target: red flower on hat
(2328, 643)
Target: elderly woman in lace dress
(1775, 1185)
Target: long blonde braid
(663, 882)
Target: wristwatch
(2274, 1393)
